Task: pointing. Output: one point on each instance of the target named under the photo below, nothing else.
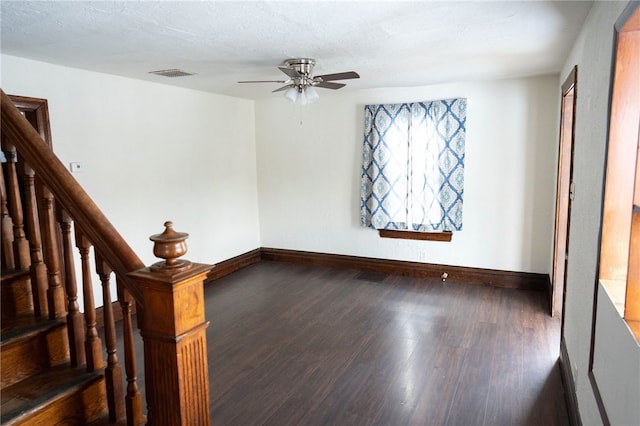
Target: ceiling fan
(300, 86)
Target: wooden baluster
(113, 371)
(75, 326)
(133, 399)
(55, 291)
(92, 343)
(8, 261)
(38, 270)
(20, 243)
(173, 327)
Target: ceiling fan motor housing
(304, 66)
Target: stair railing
(168, 296)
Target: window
(619, 269)
(413, 166)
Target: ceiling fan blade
(329, 85)
(263, 81)
(283, 88)
(290, 72)
(338, 76)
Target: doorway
(564, 194)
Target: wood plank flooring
(293, 344)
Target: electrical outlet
(422, 255)
(75, 167)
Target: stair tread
(25, 326)
(25, 396)
(104, 421)
(12, 275)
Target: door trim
(563, 193)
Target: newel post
(173, 327)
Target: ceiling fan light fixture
(301, 94)
(291, 94)
(302, 97)
(312, 94)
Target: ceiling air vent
(174, 72)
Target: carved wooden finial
(170, 245)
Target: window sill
(415, 235)
(616, 290)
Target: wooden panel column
(22, 256)
(173, 327)
(133, 398)
(8, 261)
(75, 320)
(39, 276)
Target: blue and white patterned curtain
(413, 165)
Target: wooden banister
(70, 194)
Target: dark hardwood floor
(293, 344)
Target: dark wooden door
(564, 194)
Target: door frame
(564, 193)
(36, 111)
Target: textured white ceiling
(390, 44)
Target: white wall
(152, 153)
(592, 53)
(309, 165)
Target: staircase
(39, 384)
(57, 367)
